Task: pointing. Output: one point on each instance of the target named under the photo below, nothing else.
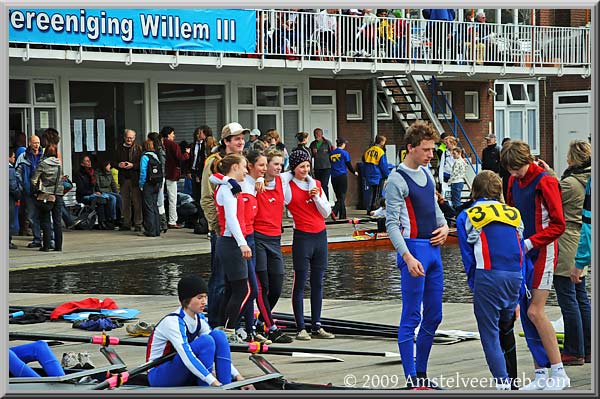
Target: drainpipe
(374, 90)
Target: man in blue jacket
(25, 166)
(374, 171)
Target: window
(499, 128)
(187, 106)
(517, 94)
(32, 106)
(321, 100)
(384, 105)
(515, 124)
(290, 96)
(445, 104)
(354, 105)
(18, 91)
(268, 96)
(471, 105)
(44, 92)
(499, 88)
(245, 96)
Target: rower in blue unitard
(417, 228)
(20, 355)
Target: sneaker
(538, 384)
(85, 361)
(76, 223)
(34, 244)
(12, 246)
(320, 333)
(569, 360)
(258, 338)
(232, 336)
(139, 329)
(137, 228)
(303, 336)
(175, 226)
(557, 382)
(70, 360)
(242, 334)
(278, 337)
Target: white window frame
(32, 105)
(448, 113)
(358, 116)
(475, 114)
(322, 93)
(523, 106)
(388, 114)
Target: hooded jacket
(48, 177)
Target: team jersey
(230, 213)
(269, 217)
(174, 333)
(307, 212)
(490, 236)
(250, 204)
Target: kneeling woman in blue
(187, 332)
(309, 207)
(490, 235)
(20, 355)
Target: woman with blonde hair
(572, 297)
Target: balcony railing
(319, 36)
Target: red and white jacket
(308, 213)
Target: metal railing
(333, 37)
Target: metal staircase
(409, 103)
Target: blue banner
(169, 29)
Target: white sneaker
(538, 384)
(303, 336)
(502, 387)
(557, 383)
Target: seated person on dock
(198, 347)
(379, 213)
(20, 355)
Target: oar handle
(16, 314)
(104, 340)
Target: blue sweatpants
(427, 291)
(495, 297)
(19, 356)
(209, 349)
(309, 254)
(534, 342)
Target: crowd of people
(509, 236)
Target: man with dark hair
(128, 163)
(196, 160)
(374, 171)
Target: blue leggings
(309, 254)
(209, 349)
(248, 311)
(19, 356)
(428, 291)
(495, 297)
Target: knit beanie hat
(297, 157)
(191, 285)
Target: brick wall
(476, 129)
(546, 101)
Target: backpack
(154, 174)
(87, 216)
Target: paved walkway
(98, 246)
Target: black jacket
(490, 158)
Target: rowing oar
(116, 380)
(344, 330)
(106, 340)
(340, 322)
(274, 350)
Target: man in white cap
(254, 134)
(232, 142)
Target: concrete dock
(458, 366)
